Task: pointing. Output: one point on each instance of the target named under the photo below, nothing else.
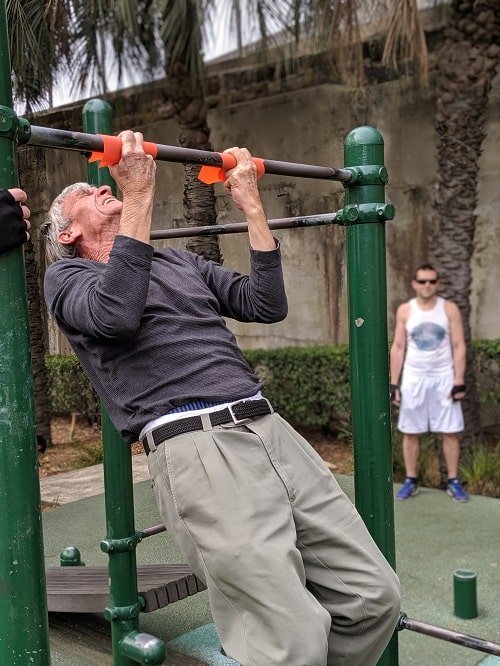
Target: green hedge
(310, 385)
(70, 390)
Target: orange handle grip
(112, 150)
(215, 174)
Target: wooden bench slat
(85, 589)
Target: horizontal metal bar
(48, 137)
(466, 640)
(242, 227)
(150, 531)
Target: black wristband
(392, 391)
(12, 225)
(457, 388)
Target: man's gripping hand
(241, 184)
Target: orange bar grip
(215, 174)
(112, 150)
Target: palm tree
(465, 66)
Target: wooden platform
(85, 589)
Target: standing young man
(429, 330)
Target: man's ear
(69, 235)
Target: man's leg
(223, 500)
(411, 453)
(344, 569)
(451, 451)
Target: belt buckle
(237, 421)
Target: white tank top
(428, 344)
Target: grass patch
(92, 454)
(481, 471)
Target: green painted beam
(23, 607)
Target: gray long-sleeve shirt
(148, 326)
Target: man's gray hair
(57, 221)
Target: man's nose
(103, 189)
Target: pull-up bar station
(23, 605)
(364, 215)
(23, 599)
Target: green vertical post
(121, 538)
(24, 632)
(364, 215)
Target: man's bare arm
(457, 339)
(398, 346)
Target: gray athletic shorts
(426, 405)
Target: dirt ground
(74, 444)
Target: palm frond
(405, 39)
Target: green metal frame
(129, 645)
(23, 606)
(368, 342)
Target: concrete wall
(308, 124)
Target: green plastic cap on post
(70, 557)
(465, 593)
(364, 145)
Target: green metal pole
(364, 214)
(24, 633)
(129, 645)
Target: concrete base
(203, 644)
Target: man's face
(94, 213)
(93, 207)
(426, 284)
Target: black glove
(392, 391)
(12, 225)
(457, 388)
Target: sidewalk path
(67, 487)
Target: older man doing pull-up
(293, 577)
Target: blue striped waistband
(197, 404)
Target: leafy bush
(309, 385)
(70, 390)
(487, 370)
(481, 471)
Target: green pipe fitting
(121, 545)
(365, 213)
(465, 593)
(143, 648)
(12, 126)
(371, 174)
(121, 613)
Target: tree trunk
(199, 199)
(32, 170)
(465, 67)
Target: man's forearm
(459, 363)
(396, 365)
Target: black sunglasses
(433, 281)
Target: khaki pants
(293, 577)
